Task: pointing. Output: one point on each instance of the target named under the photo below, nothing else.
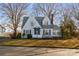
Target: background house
(2, 29)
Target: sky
(57, 18)
(39, 1)
(29, 12)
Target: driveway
(35, 51)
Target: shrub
(23, 34)
(66, 35)
(4, 37)
(11, 36)
(19, 35)
(29, 36)
(68, 28)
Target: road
(35, 51)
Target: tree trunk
(15, 33)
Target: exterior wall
(37, 36)
(54, 33)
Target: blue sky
(57, 18)
(39, 1)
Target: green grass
(68, 43)
(2, 36)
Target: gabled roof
(56, 27)
(24, 21)
(38, 19)
(50, 26)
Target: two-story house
(39, 27)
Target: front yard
(68, 43)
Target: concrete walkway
(34, 51)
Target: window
(54, 33)
(28, 31)
(49, 32)
(46, 32)
(37, 31)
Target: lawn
(2, 36)
(68, 43)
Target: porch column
(41, 31)
(51, 32)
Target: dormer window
(46, 23)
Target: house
(2, 29)
(39, 27)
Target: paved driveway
(34, 51)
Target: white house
(39, 27)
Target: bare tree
(14, 12)
(46, 9)
(75, 11)
(68, 26)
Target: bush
(23, 34)
(68, 28)
(66, 35)
(19, 35)
(3, 37)
(29, 36)
(12, 36)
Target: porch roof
(50, 27)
